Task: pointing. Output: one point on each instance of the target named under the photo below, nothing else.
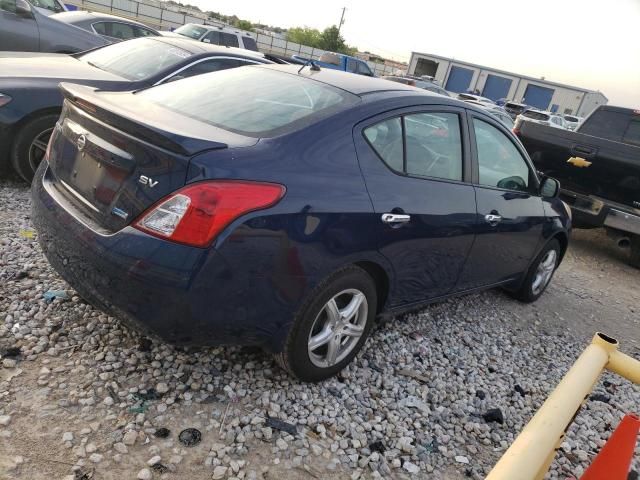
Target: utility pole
(341, 19)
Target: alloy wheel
(338, 327)
(544, 272)
(38, 148)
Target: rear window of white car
(535, 115)
(252, 101)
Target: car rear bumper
(598, 212)
(185, 295)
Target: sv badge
(150, 182)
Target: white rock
(162, 387)
(67, 437)
(144, 474)
(411, 467)
(95, 457)
(120, 447)
(5, 420)
(219, 472)
(461, 459)
(153, 460)
(129, 438)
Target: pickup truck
(598, 166)
(338, 61)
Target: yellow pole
(625, 366)
(534, 448)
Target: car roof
(350, 82)
(196, 47)
(82, 15)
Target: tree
(305, 36)
(330, 39)
(244, 25)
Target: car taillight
(196, 214)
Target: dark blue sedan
(288, 208)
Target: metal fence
(164, 16)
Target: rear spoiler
(149, 122)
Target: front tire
(540, 273)
(331, 326)
(30, 145)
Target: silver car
(23, 28)
(111, 27)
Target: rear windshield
(535, 115)
(514, 106)
(251, 101)
(136, 59)
(191, 31)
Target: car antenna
(312, 65)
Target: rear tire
(331, 326)
(30, 144)
(539, 274)
(634, 254)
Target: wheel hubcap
(337, 328)
(38, 148)
(544, 272)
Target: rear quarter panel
(324, 222)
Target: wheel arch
(380, 278)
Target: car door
(416, 167)
(510, 211)
(18, 32)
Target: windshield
(136, 59)
(191, 31)
(251, 101)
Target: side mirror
(23, 9)
(549, 187)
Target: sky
(592, 44)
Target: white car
(572, 121)
(477, 98)
(537, 116)
(227, 37)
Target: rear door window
(500, 163)
(119, 30)
(250, 44)
(229, 39)
(352, 66)
(363, 69)
(431, 146)
(386, 139)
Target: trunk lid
(113, 155)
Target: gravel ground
(82, 396)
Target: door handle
(582, 150)
(395, 218)
(493, 219)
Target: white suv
(227, 37)
(537, 116)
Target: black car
(30, 101)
